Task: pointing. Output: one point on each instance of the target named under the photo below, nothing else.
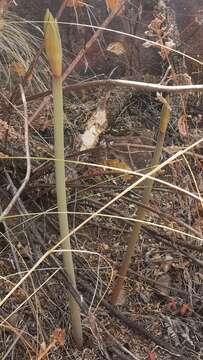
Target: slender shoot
(53, 50)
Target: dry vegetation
(111, 130)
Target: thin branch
(169, 218)
(27, 151)
(146, 227)
(92, 40)
(18, 337)
(175, 245)
(135, 326)
(134, 85)
(39, 109)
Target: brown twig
(180, 242)
(98, 212)
(175, 244)
(168, 217)
(153, 283)
(135, 326)
(89, 44)
(27, 150)
(17, 338)
(134, 85)
(39, 109)
(12, 328)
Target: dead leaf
(19, 69)
(120, 165)
(75, 3)
(173, 305)
(179, 309)
(96, 125)
(152, 355)
(116, 48)
(156, 25)
(184, 309)
(102, 247)
(167, 263)
(114, 5)
(9, 132)
(57, 339)
(182, 125)
(163, 283)
(58, 336)
(165, 52)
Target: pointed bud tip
(52, 42)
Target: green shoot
(54, 54)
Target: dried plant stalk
(141, 210)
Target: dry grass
(19, 45)
(167, 269)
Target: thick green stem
(62, 205)
(141, 210)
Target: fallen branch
(134, 85)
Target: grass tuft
(18, 48)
